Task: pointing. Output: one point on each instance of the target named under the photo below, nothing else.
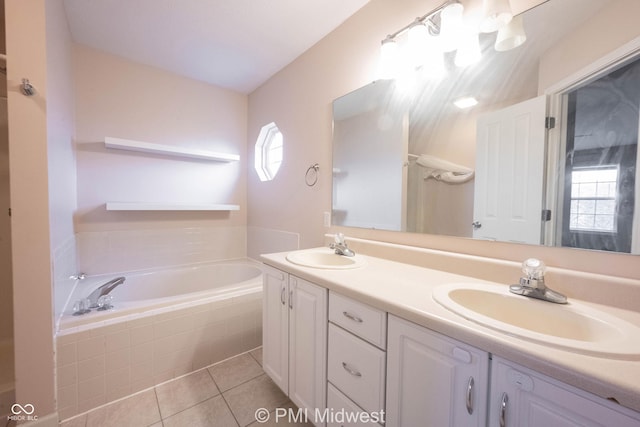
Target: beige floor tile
(236, 371)
(135, 411)
(257, 393)
(257, 354)
(182, 393)
(80, 421)
(210, 413)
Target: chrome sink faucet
(532, 284)
(340, 246)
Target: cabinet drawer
(341, 409)
(357, 369)
(366, 322)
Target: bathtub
(145, 292)
(164, 324)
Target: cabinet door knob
(469, 399)
(503, 409)
(350, 370)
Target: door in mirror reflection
(599, 197)
(510, 153)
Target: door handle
(282, 293)
(469, 400)
(503, 409)
(476, 225)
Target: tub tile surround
(101, 252)
(223, 394)
(101, 364)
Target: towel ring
(311, 177)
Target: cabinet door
(307, 344)
(523, 398)
(433, 380)
(275, 327)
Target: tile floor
(226, 394)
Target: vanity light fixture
(468, 52)
(447, 29)
(497, 14)
(511, 36)
(465, 102)
(451, 25)
(389, 57)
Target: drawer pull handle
(503, 410)
(470, 396)
(352, 317)
(350, 370)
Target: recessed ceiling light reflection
(466, 102)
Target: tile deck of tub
(226, 394)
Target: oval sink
(573, 326)
(324, 258)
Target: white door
(509, 173)
(275, 327)
(433, 380)
(307, 345)
(523, 398)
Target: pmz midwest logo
(22, 412)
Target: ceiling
(236, 44)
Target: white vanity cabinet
(521, 397)
(356, 362)
(295, 337)
(433, 380)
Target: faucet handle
(104, 302)
(339, 238)
(533, 268)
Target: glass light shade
(469, 50)
(450, 27)
(511, 36)
(497, 14)
(418, 44)
(424, 52)
(389, 58)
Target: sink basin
(573, 326)
(324, 258)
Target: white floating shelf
(139, 206)
(168, 150)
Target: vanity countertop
(405, 290)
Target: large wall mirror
(547, 155)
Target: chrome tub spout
(103, 290)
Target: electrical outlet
(327, 219)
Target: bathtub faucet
(103, 290)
